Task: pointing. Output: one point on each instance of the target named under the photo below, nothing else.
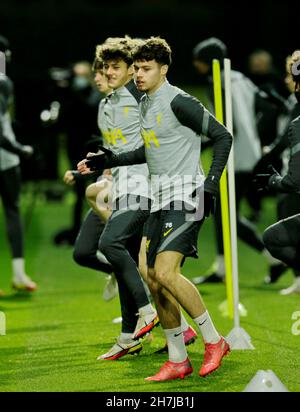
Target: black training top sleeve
(291, 181)
(277, 147)
(134, 157)
(191, 113)
(82, 178)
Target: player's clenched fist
(82, 166)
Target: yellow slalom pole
(224, 193)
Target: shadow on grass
(17, 297)
(65, 292)
(224, 379)
(263, 327)
(37, 329)
(262, 288)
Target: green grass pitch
(55, 335)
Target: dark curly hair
(117, 48)
(154, 48)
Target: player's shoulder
(237, 76)
(5, 84)
(101, 104)
(238, 79)
(294, 132)
(295, 127)
(296, 121)
(169, 92)
(174, 94)
(181, 99)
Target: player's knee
(106, 245)
(150, 273)
(152, 282)
(270, 237)
(80, 257)
(163, 277)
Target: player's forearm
(128, 158)
(278, 146)
(222, 141)
(282, 184)
(82, 178)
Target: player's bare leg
(143, 259)
(97, 195)
(167, 274)
(165, 280)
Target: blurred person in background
(77, 119)
(86, 251)
(245, 96)
(262, 72)
(10, 179)
(288, 200)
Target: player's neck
(157, 86)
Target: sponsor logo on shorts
(168, 231)
(147, 245)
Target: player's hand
(262, 164)
(209, 204)
(69, 178)
(100, 160)
(107, 172)
(83, 168)
(27, 151)
(262, 181)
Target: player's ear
(164, 69)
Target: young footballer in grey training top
(118, 119)
(172, 122)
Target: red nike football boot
(214, 352)
(171, 370)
